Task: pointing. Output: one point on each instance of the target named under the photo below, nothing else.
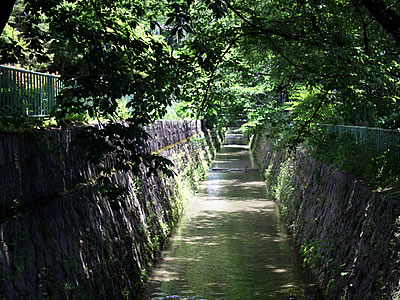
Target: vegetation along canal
(231, 243)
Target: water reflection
(230, 244)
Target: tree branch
(308, 122)
(266, 31)
(211, 78)
(385, 15)
(5, 12)
(364, 26)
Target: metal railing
(27, 93)
(383, 139)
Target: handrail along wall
(383, 139)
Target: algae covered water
(231, 243)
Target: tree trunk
(386, 16)
(5, 12)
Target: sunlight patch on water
(230, 244)
(209, 207)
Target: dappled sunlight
(193, 239)
(209, 207)
(220, 161)
(274, 239)
(233, 148)
(233, 152)
(215, 182)
(164, 272)
(229, 244)
(251, 185)
(288, 286)
(279, 270)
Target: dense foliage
(293, 65)
(105, 52)
(328, 58)
(289, 64)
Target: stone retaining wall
(348, 233)
(61, 239)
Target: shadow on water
(231, 243)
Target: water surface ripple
(230, 243)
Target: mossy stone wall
(348, 233)
(60, 239)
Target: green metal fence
(382, 138)
(27, 93)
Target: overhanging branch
(267, 31)
(5, 12)
(205, 100)
(385, 15)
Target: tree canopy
(330, 58)
(296, 63)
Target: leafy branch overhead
(107, 55)
(287, 63)
(333, 61)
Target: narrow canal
(231, 243)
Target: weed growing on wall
(314, 221)
(205, 148)
(315, 255)
(283, 187)
(270, 180)
(395, 245)
(283, 190)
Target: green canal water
(231, 242)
